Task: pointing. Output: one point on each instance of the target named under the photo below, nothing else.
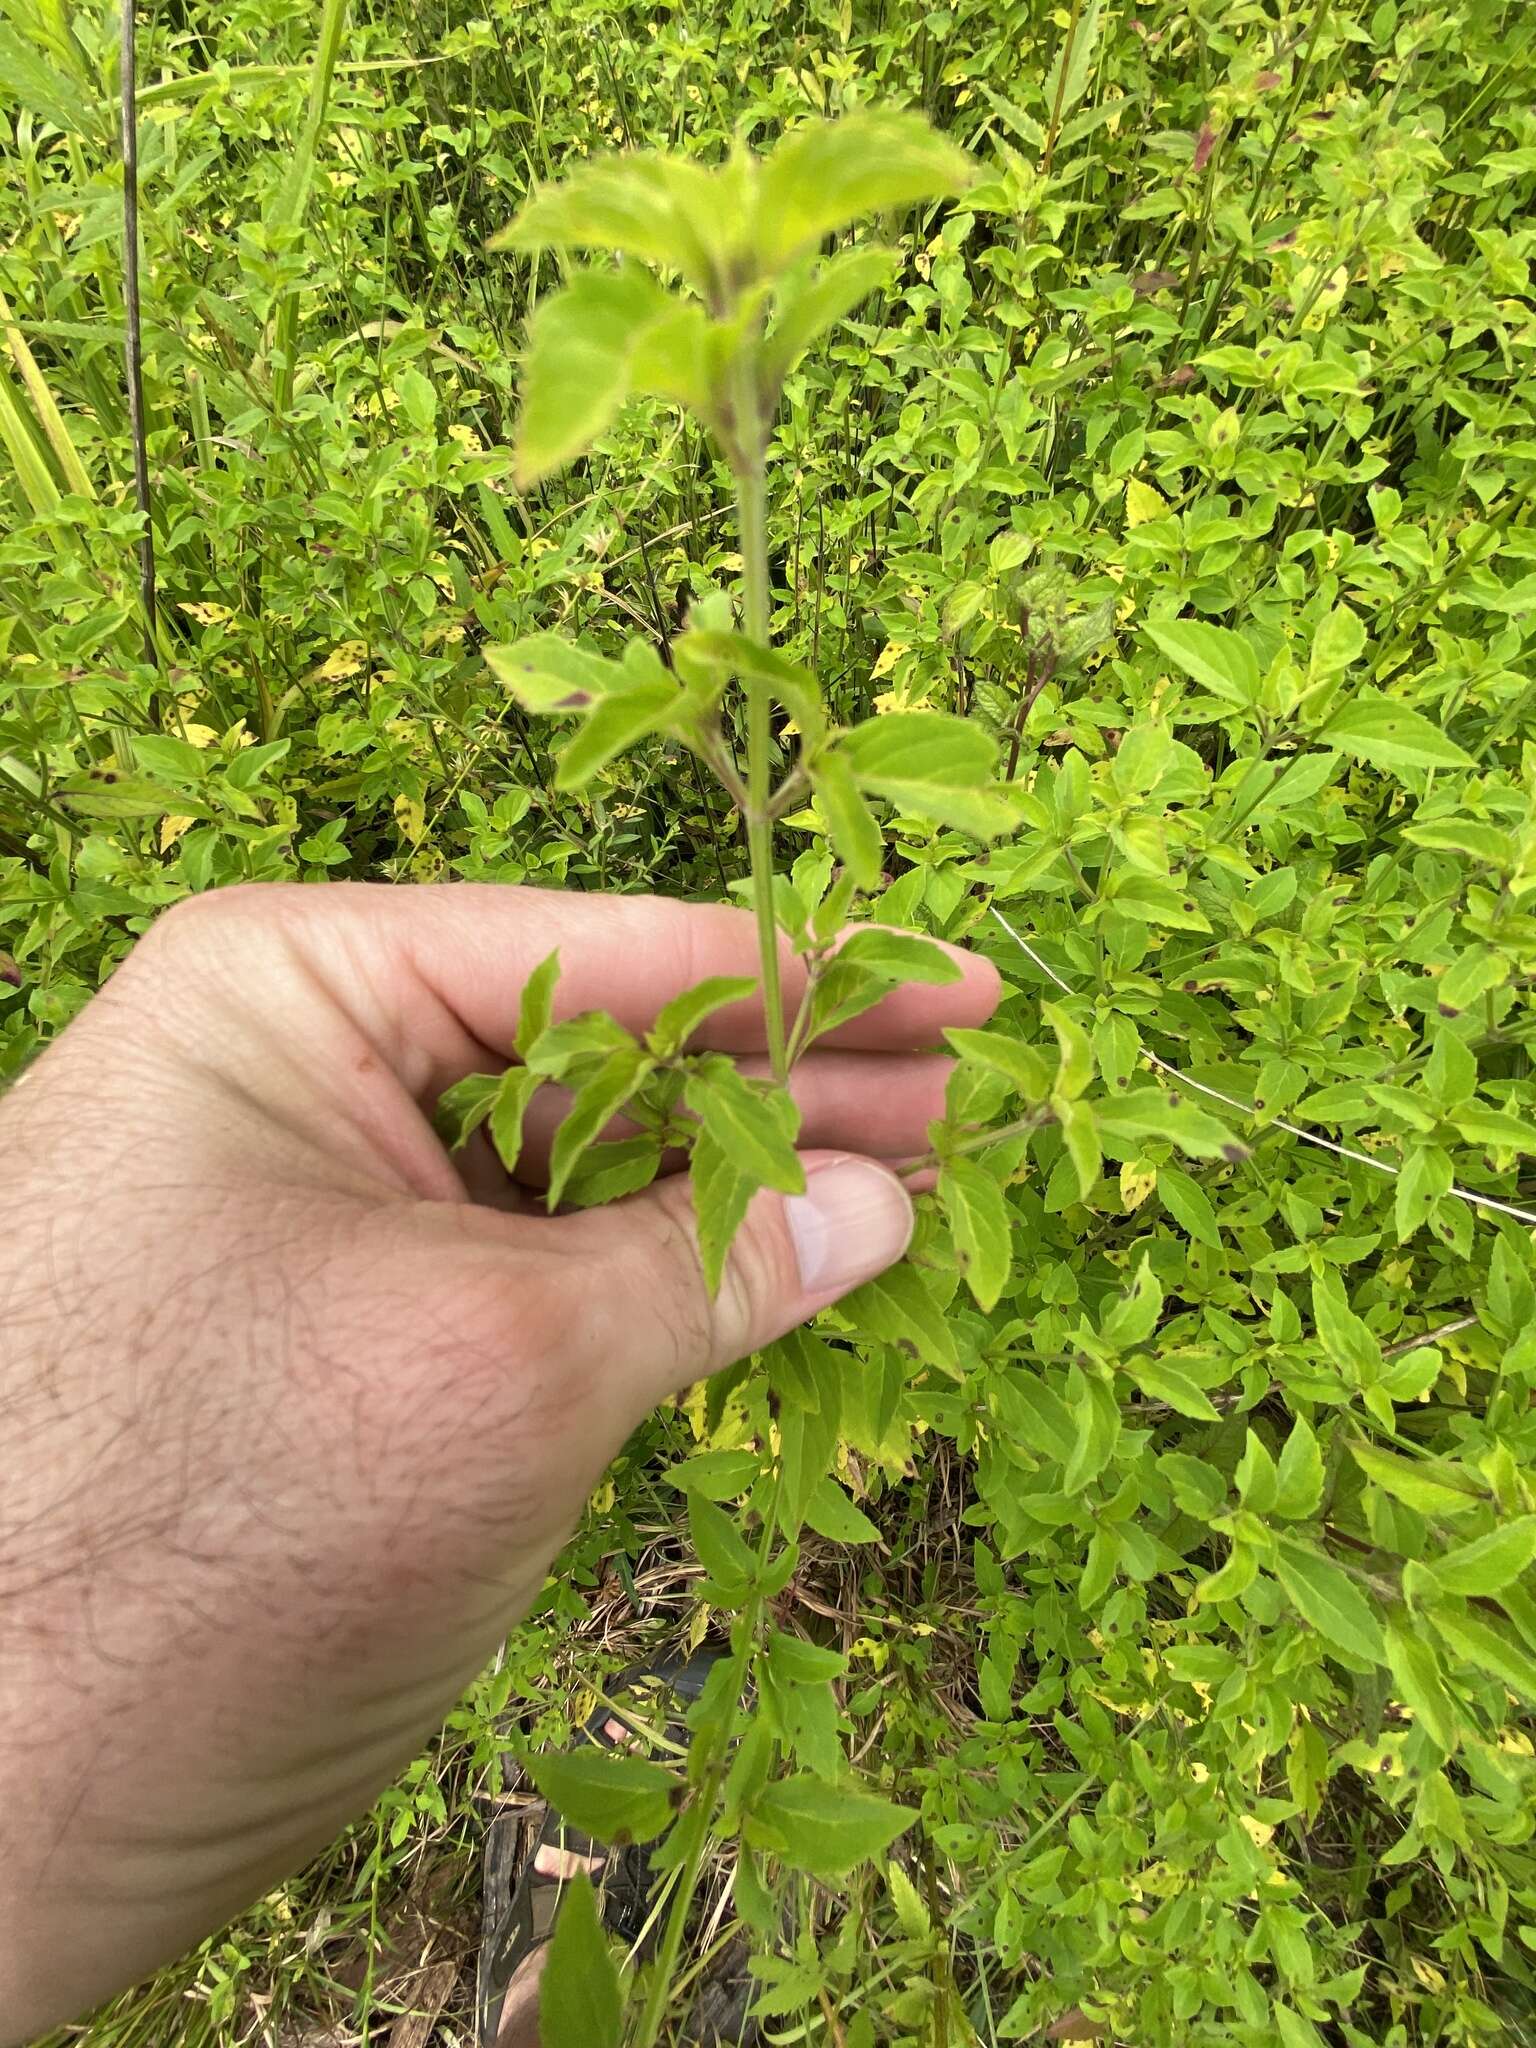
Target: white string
(1247, 1109)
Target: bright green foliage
(1149, 554)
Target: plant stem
(133, 346)
(701, 1813)
(752, 524)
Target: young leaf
(1376, 728)
(851, 824)
(754, 1125)
(610, 1796)
(721, 1196)
(712, 657)
(1328, 1597)
(613, 725)
(581, 2003)
(462, 1108)
(610, 1169)
(806, 311)
(597, 1101)
(575, 372)
(825, 1829)
(1489, 1563)
(642, 204)
(1220, 660)
(978, 1215)
(518, 1088)
(899, 956)
(828, 173)
(677, 1021)
(535, 1010)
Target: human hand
(294, 1412)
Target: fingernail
(853, 1221)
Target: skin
(295, 1410)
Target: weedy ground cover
(1119, 556)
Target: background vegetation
(1182, 1592)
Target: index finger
(475, 944)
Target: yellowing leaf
(344, 660)
(1136, 1183)
(1143, 502)
(171, 830)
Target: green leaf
(1424, 1485)
(1299, 1474)
(1490, 1649)
(575, 372)
(1327, 1597)
(832, 1514)
(1256, 1478)
(1075, 1067)
(899, 956)
(806, 311)
(417, 397)
(535, 1010)
(828, 1829)
(1416, 1677)
(897, 1308)
(720, 1548)
(978, 1215)
(851, 825)
(710, 657)
(1188, 1204)
(1220, 660)
(677, 1021)
(1376, 728)
(462, 1108)
(1131, 1318)
(613, 725)
(721, 1197)
(612, 1168)
(1069, 75)
(1488, 1563)
(1152, 1113)
(611, 1796)
(932, 765)
(656, 207)
(549, 676)
(824, 175)
(518, 1088)
(597, 1101)
(1096, 1414)
(753, 1123)
(1168, 1383)
(581, 2003)
(1019, 1064)
(1080, 1133)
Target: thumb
(656, 1324)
